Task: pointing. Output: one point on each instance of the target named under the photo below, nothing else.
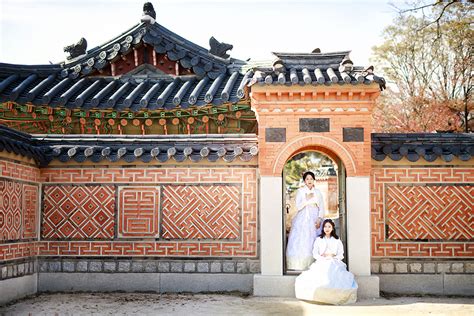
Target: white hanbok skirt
(327, 281)
(299, 250)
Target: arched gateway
(329, 180)
(334, 120)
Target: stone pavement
(225, 304)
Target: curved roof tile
(427, 146)
(130, 148)
(313, 68)
(23, 144)
(215, 81)
(177, 48)
(125, 93)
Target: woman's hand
(318, 223)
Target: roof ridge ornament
(219, 49)
(346, 65)
(149, 14)
(76, 50)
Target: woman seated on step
(327, 280)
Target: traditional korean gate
(330, 179)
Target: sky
(35, 31)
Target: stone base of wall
(149, 265)
(407, 266)
(17, 268)
(418, 277)
(18, 287)
(149, 282)
(145, 274)
(434, 284)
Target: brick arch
(324, 144)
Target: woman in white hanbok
(327, 280)
(306, 225)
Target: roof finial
(77, 49)
(219, 49)
(346, 64)
(149, 14)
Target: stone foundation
(136, 265)
(144, 282)
(422, 267)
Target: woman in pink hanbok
(327, 280)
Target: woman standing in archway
(306, 225)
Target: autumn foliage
(427, 60)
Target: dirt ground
(219, 304)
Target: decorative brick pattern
(11, 206)
(19, 206)
(138, 211)
(245, 246)
(442, 212)
(19, 197)
(201, 211)
(78, 212)
(386, 199)
(18, 250)
(18, 171)
(30, 210)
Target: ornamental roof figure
(149, 14)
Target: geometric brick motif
(201, 212)
(241, 242)
(430, 212)
(30, 209)
(10, 210)
(78, 212)
(138, 211)
(421, 212)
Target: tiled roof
(24, 84)
(45, 148)
(213, 80)
(188, 54)
(22, 144)
(130, 148)
(426, 146)
(314, 69)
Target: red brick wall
(19, 201)
(78, 212)
(422, 212)
(345, 106)
(176, 212)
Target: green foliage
(299, 164)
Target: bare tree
(428, 58)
